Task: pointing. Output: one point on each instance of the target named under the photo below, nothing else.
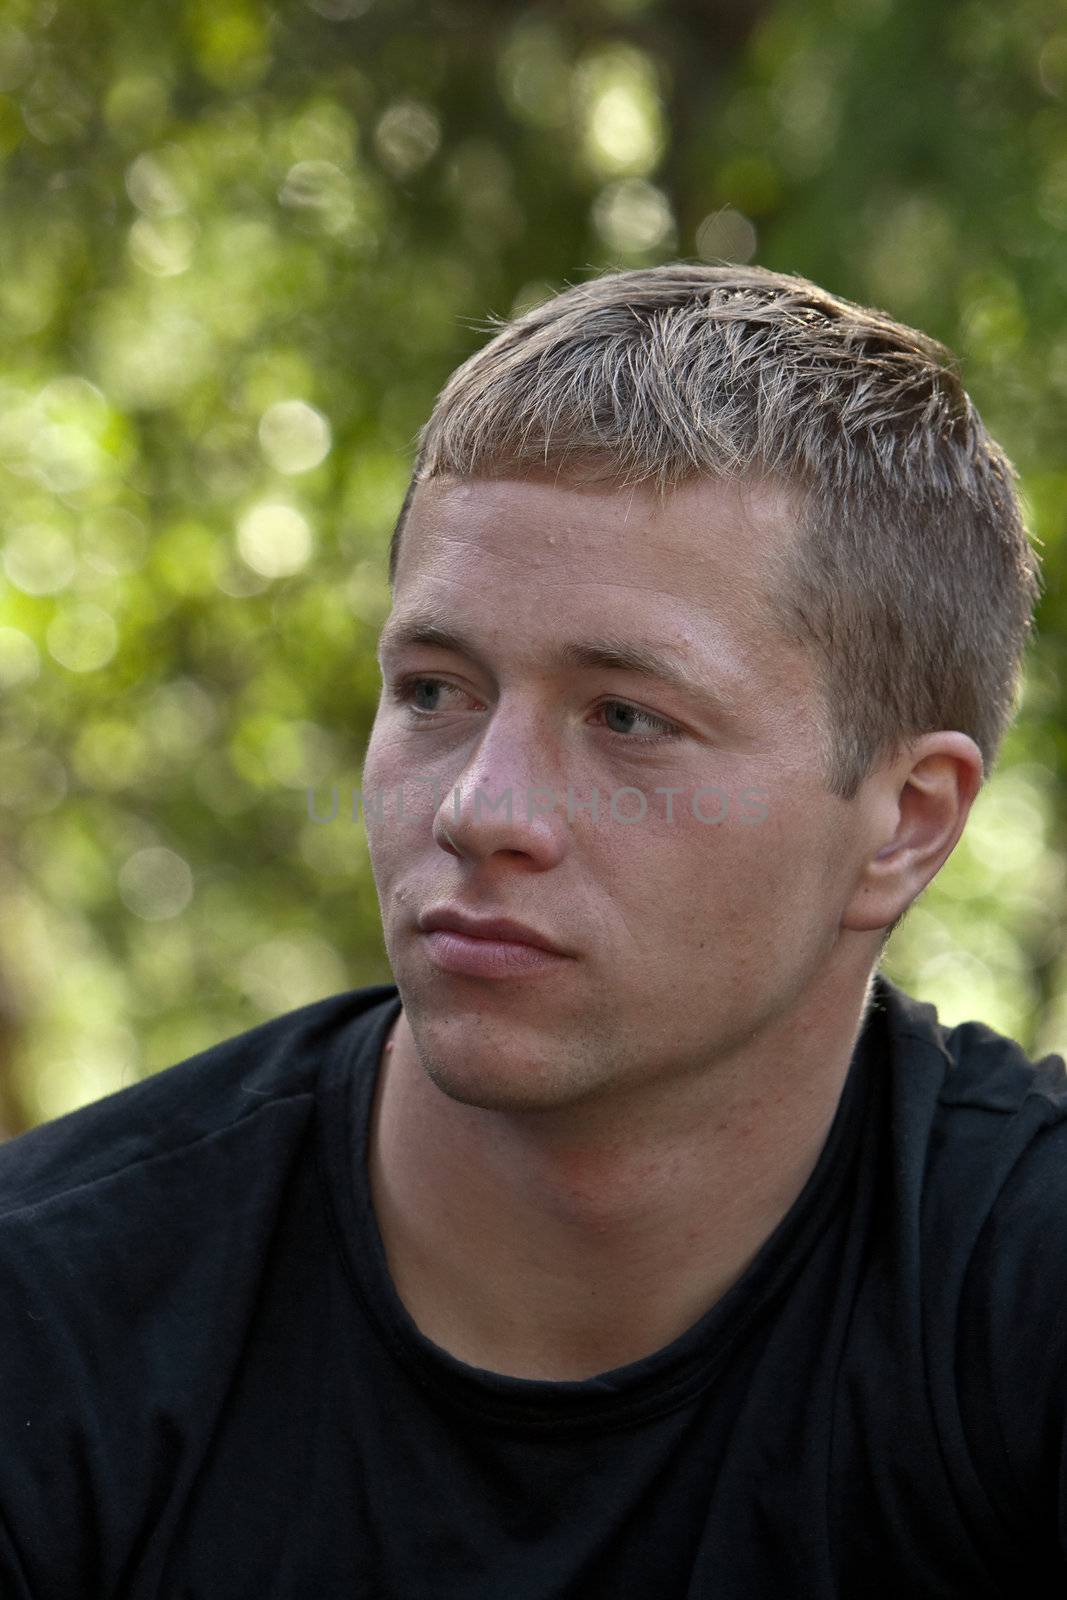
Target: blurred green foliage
(241, 248)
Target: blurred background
(242, 245)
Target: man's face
(690, 921)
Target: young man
(643, 1240)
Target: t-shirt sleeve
(1012, 1351)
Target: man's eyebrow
(608, 653)
(416, 630)
(644, 661)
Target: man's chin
(491, 1092)
(497, 1064)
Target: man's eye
(657, 728)
(412, 692)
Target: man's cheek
(390, 762)
(381, 767)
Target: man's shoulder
(251, 1074)
(993, 1196)
(974, 1160)
(970, 1064)
(978, 1128)
(959, 1305)
(141, 1237)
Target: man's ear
(918, 804)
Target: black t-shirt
(210, 1390)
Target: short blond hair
(911, 579)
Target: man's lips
(470, 946)
(502, 930)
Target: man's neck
(562, 1250)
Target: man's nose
(509, 797)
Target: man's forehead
(743, 528)
(761, 503)
(709, 552)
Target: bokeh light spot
(274, 539)
(294, 436)
(155, 883)
(82, 637)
